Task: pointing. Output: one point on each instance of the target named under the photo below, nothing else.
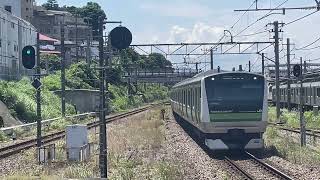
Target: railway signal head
(120, 37)
(297, 71)
(28, 57)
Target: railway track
(253, 168)
(309, 132)
(16, 148)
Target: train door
(186, 101)
(318, 95)
(191, 102)
(196, 104)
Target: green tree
(51, 5)
(72, 9)
(92, 11)
(50, 61)
(155, 61)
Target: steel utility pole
(102, 119)
(302, 122)
(63, 73)
(262, 70)
(38, 95)
(211, 58)
(88, 52)
(276, 51)
(249, 66)
(197, 69)
(77, 50)
(288, 75)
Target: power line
(314, 59)
(298, 19)
(255, 61)
(243, 14)
(308, 49)
(213, 47)
(269, 13)
(253, 34)
(308, 44)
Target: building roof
(46, 38)
(50, 52)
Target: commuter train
(310, 94)
(226, 110)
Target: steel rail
(234, 165)
(269, 167)
(310, 132)
(18, 147)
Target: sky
(178, 21)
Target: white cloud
(200, 32)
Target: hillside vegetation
(19, 96)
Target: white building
(15, 33)
(13, 6)
(19, 8)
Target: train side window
(185, 97)
(182, 96)
(192, 98)
(189, 97)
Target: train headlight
(212, 79)
(255, 78)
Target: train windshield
(235, 93)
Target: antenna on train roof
(240, 68)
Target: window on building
(27, 9)
(0, 43)
(8, 8)
(12, 25)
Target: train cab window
(318, 92)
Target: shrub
(3, 136)
(20, 99)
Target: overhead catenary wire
(253, 34)
(308, 45)
(243, 14)
(269, 13)
(316, 59)
(300, 18)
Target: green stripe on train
(233, 117)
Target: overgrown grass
(20, 99)
(286, 147)
(3, 137)
(134, 146)
(292, 119)
(132, 150)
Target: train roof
(209, 73)
(294, 85)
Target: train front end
(234, 111)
